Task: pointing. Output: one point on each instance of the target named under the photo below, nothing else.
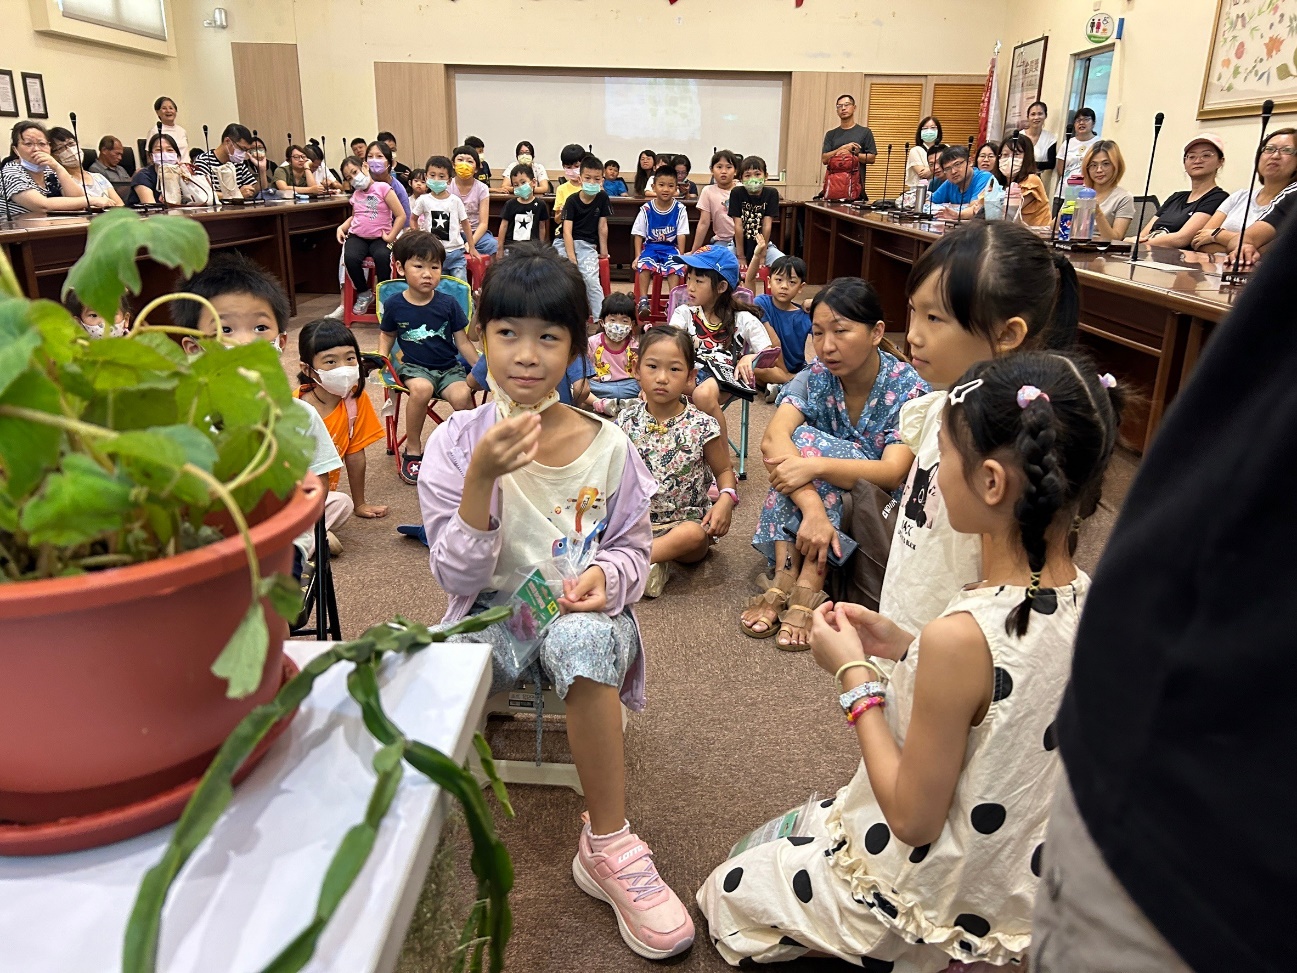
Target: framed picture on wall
(8, 95)
(34, 92)
(1026, 75)
(1253, 56)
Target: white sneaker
(362, 302)
(335, 314)
(658, 574)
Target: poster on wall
(34, 90)
(8, 95)
(1026, 75)
(1253, 56)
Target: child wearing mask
(585, 228)
(524, 218)
(442, 214)
(571, 158)
(753, 209)
(475, 196)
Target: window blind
(147, 18)
(894, 111)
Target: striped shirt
(207, 162)
(15, 179)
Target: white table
(252, 885)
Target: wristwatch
(732, 494)
(853, 696)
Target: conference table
(295, 241)
(1145, 322)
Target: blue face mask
(929, 135)
(30, 166)
(437, 186)
(523, 191)
(591, 188)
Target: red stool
(477, 267)
(657, 313)
(349, 317)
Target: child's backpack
(841, 178)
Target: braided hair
(1057, 419)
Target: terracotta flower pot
(106, 693)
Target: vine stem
(8, 281)
(141, 322)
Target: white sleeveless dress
(849, 887)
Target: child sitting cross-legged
(782, 310)
(683, 449)
(431, 328)
(929, 859)
(520, 481)
(660, 232)
(333, 384)
(612, 353)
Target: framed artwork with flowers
(1253, 57)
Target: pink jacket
(464, 558)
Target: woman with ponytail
(985, 290)
(932, 852)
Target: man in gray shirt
(109, 163)
(850, 138)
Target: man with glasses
(235, 144)
(34, 181)
(850, 139)
(960, 196)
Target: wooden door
(893, 115)
(412, 101)
(959, 109)
(269, 93)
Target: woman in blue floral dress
(837, 424)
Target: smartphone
(848, 545)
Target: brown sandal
(801, 607)
(774, 598)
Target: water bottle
(1083, 221)
(1065, 216)
(921, 196)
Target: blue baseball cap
(719, 259)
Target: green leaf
(77, 504)
(231, 386)
(124, 409)
(62, 335)
(168, 445)
(108, 267)
(284, 595)
(17, 342)
(164, 345)
(123, 363)
(8, 513)
(241, 661)
(487, 760)
(28, 449)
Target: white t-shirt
(548, 510)
(1233, 209)
(929, 562)
(751, 332)
(326, 458)
(1076, 150)
(917, 159)
(176, 132)
(443, 218)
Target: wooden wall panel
(895, 108)
(806, 128)
(269, 94)
(959, 107)
(413, 104)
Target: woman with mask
(64, 148)
(1017, 166)
(525, 152)
(162, 151)
(36, 182)
(378, 159)
(926, 136)
(166, 111)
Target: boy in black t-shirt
(431, 327)
(524, 218)
(585, 229)
(753, 208)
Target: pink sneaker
(652, 919)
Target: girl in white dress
(932, 852)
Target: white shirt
(1042, 146)
(177, 133)
(917, 159)
(1233, 209)
(751, 332)
(443, 218)
(1076, 150)
(326, 458)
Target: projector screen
(619, 116)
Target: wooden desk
(293, 241)
(1145, 323)
(621, 248)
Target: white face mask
(507, 408)
(340, 381)
(361, 181)
(617, 331)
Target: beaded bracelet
(863, 707)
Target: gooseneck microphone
(157, 166)
(1158, 119)
(887, 172)
(81, 167)
(292, 179)
(1010, 177)
(324, 164)
(1267, 109)
(1056, 208)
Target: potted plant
(148, 506)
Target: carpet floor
(735, 730)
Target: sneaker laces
(644, 882)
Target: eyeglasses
(1287, 150)
(1099, 166)
(1202, 157)
(35, 145)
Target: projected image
(656, 109)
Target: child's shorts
(659, 259)
(440, 379)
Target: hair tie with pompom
(1107, 381)
(1029, 394)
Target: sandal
(801, 606)
(773, 598)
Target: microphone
(162, 185)
(1010, 177)
(324, 164)
(292, 179)
(1062, 179)
(1267, 109)
(1158, 119)
(81, 167)
(256, 138)
(887, 172)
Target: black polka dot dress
(850, 887)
